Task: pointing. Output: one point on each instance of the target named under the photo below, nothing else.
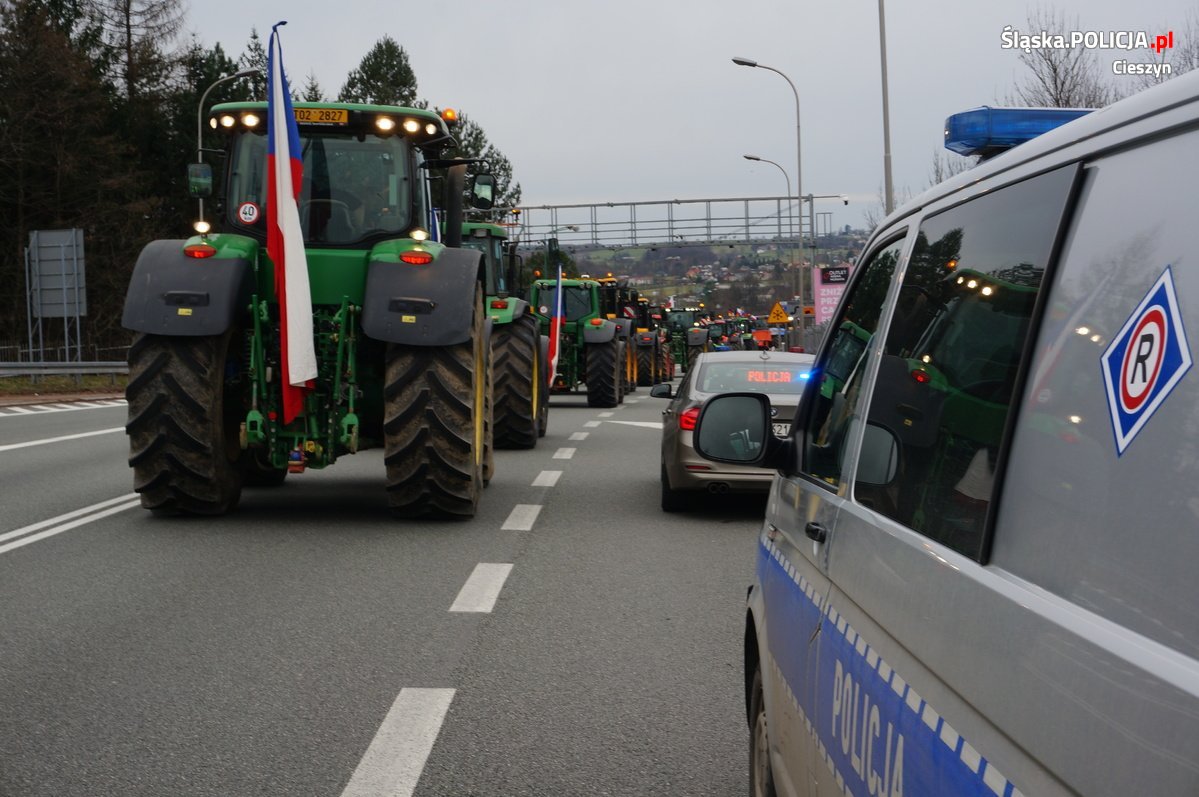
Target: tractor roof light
(250, 120)
(227, 120)
(988, 131)
(449, 116)
(385, 124)
(411, 126)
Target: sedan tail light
(688, 418)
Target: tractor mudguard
(645, 340)
(173, 294)
(600, 334)
(697, 336)
(430, 305)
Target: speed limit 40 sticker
(1145, 360)
(247, 212)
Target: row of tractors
(403, 326)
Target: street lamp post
(790, 219)
(798, 156)
(200, 118)
(889, 199)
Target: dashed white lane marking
(547, 478)
(521, 518)
(605, 415)
(631, 401)
(66, 522)
(564, 453)
(12, 446)
(592, 424)
(396, 757)
(579, 435)
(645, 424)
(482, 588)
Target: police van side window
(840, 374)
(951, 355)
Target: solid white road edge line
(41, 524)
(522, 517)
(396, 757)
(482, 588)
(547, 478)
(68, 526)
(644, 424)
(12, 446)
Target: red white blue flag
(285, 238)
(556, 323)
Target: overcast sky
(631, 100)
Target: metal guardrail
(61, 368)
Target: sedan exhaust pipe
(718, 488)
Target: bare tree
(1181, 58)
(136, 30)
(1060, 77)
(947, 164)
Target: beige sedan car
(780, 375)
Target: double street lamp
(790, 219)
(798, 151)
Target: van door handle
(816, 531)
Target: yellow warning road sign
(777, 314)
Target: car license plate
(322, 116)
(781, 429)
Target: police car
(977, 570)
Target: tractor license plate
(781, 429)
(322, 116)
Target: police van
(979, 567)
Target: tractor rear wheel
(647, 371)
(435, 425)
(183, 425)
(519, 383)
(604, 373)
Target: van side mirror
(878, 459)
(199, 180)
(482, 191)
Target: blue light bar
(988, 131)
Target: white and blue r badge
(1146, 359)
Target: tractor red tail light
(417, 258)
(199, 251)
(921, 376)
(688, 418)
(499, 304)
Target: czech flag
(285, 238)
(556, 322)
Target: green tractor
(654, 360)
(399, 326)
(618, 304)
(688, 335)
(590, 352)
(521, 395)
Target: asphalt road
(571, 639)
